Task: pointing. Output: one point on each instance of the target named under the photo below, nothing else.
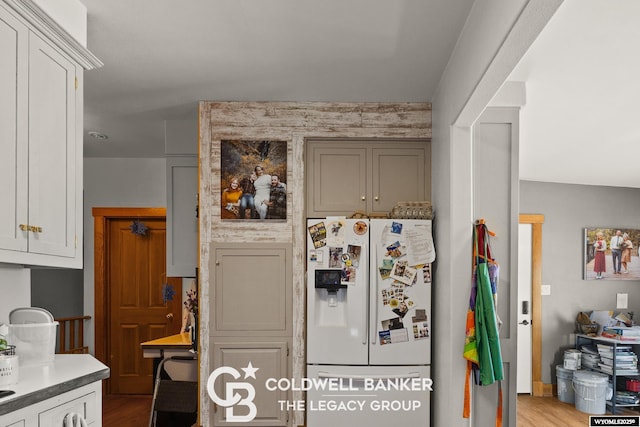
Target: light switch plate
(622, 301)
(545, 289)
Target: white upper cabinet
(52, 153)
(14, 144)
(40, 141)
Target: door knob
(170, 316)
(524, 322)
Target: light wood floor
(549, 412)
(133, 411)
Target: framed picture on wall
(253, 178)
(611, 253)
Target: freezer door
(400, 300)
(337, 313)
(372, 396)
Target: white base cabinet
(85, 402)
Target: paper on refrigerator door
(419, 242)
(335, 231)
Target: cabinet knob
(364, 198)
(376, 198)
(217, 262)
(170, 316)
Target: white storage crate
(35, 342)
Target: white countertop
(39, 382)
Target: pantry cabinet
(41, 140)
(344, 176)
(251, 320)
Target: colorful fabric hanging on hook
(482, 342)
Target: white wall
(116, 182)
(15, 289)
(496, 35)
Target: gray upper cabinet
(182, 220)
(344, 176)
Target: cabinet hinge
(287, 351)
(76, 83)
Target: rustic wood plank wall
(293, 122)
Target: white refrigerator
(368, 322)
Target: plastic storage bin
(35, 342)
(633, 385)
(590, 391)
(565, 386)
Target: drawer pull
(32, 228)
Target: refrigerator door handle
(373, 291)
(324, 374)
(365, 312)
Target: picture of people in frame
(253, 177)
(611, 253)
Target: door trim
(536, 221)
(101, 218)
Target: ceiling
(581, 121)
(161, 57)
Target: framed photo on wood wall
(611, 253)
(253, 180)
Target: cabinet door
(399, 174)
(13, 132)
(270, 359)
(252, 289)
(52, 151)
(336, 179)
(182, 220)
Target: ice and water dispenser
(330, 281)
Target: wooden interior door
(136, 269)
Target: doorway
(535, 305)
(523, 379)
(130, 272)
